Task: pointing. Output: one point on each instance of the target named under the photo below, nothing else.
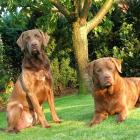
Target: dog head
(33, 41)
(103, 71)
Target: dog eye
(98, 70)
(37, 36)
(110, 68)
(27, 37)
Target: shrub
(4, 76)
(64, 76)
(5, 86)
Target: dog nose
(107, 77)
(34, 44)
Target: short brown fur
(112, 93)
(37, 79)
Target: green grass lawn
(76, 113)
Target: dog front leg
(38, 110)
(50, 98)
(122, 115)
(98, 118)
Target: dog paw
(120, 119)
(57, 121)
(46, 125)
(93, 124)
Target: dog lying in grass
(112, 93)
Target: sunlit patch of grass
(76, 112)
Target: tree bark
(80, 46)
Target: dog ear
(89, 68)
(45, 38)
(117, 63)
(20, 41)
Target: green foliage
(4, 77)
(5, 90)
(4, 96)
(126, 47)
(11, 25)
(63, 74)
(61, 56)
(129, 42)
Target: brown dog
(112, 93)
(34, 85)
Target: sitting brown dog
(112, 93)
(34, 85)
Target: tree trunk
(80, 46)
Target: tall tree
(77, 16)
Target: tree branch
(61, 8)
(71, 17)
(85, 9)
(99, 16)
(78, 7)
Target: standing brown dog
(34, 85)
(112, 93)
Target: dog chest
(107, 102)
(40, 76)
